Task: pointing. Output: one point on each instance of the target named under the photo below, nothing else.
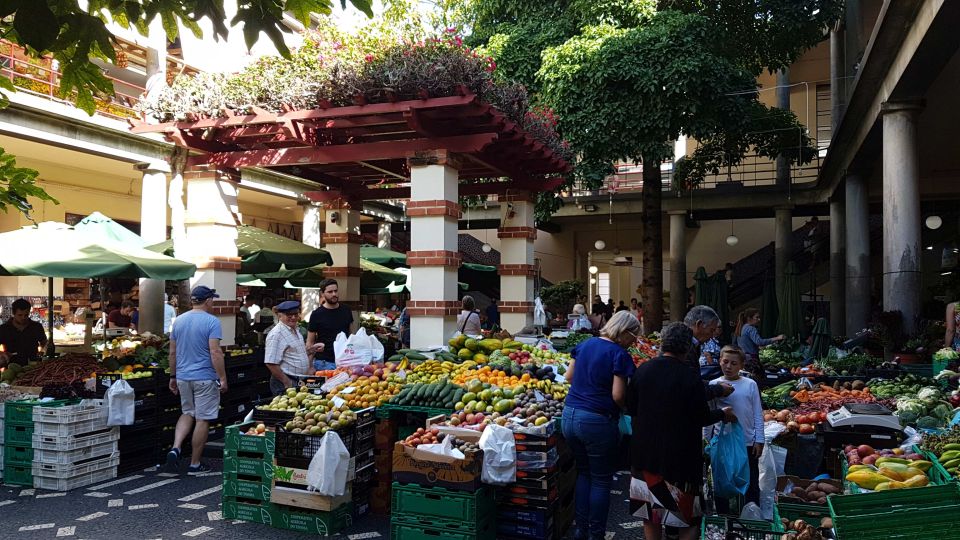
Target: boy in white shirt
(745, 401)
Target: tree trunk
(652, 247)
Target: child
(745, 401)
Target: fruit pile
(798, 423)
(257, 430)
(946, 447)
(293, 400)
(422, 436)
(441, 395)
(490, 376)
(365, 391)
(885, 469)
(535, 408)
(490, 400)
(321, 417)
(431, 371)
(815, 492)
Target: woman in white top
(468, 322)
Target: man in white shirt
(250, 308)
(286, 355)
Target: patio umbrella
(386, 257)
(790, 321)
(821, 339)
(481, 277)
(405, 286)
(701, 288)
(374, 276)
(768, 307)
(101, 226)
(263, 251)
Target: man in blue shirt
(197, 374)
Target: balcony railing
(39, 77)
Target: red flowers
(369, 58)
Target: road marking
(66, 531)
(142, 506)
(114, 482)
(206, 474)
(49, 495)
(192, 506)
(237, 521)
(609, 536)
(199, 494)
(4, 503)
(198, 531)
(97, 494)
(93, 516)
(361, 536)
(38, 527)
(167, 475)
(113, 503)
(153, 486)
(27, 492)
(632, 525)
(152, 468)
(216, 515)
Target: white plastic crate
(88, 409)
(49, 429)
(59, 457)
(59, 470)
(83, 480)
(62, 444)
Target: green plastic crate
(17, 474)
(471, 508)
(879, 502)
(810, 513)
(248, 510)
(18, 453)
(246, 489)
(21, 412)
(929, 513)
(235, 465)
(306, 521)
(236, 441)
(17, 434)
(745, 529)
(404, 531)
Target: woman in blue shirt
(749, 340)
(591, 413)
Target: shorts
(200, 399)
(660, 502)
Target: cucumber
(411, 355)
(404, 351)
(395, 358)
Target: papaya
(861, 467)
(883, 460)
(893, 474)
(472, 344)
(465, 354)
(867, 479)
(489, 345)
(480, 358)
(917, 481)
(921, 464)
(893, 484)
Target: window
(603, 285)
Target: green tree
(76, 32)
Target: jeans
(323, 364)
(753, 490)
(593, 438)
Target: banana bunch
(434, 370)
(553, 389)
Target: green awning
(479, 267)
(54, 249)
(263, 251)
(374, 276)
(386, 257)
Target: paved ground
(159, 505)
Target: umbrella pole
(51, 348)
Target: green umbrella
(768, 307)
(386, 257)
(790, 322)
(54, 249)
(702, 291)
(821, 339)
(720, 303)
(374, 276)
(101, 226)
(479, 267)
(263, 251)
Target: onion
(793, 426)
(783, 416)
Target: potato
(812, 487)
(814, 495)
(828, 488)
(826, 523)
(799, 492)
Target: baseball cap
(288, 306)
(202, 292)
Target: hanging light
(593, 269)
(487, 248)
(600, 245)
(593, 281)
(934, 222)
(732, 240)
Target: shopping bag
(728, 460)
(359, 349)
(327, 474)
(539, 313)
(119, 402)
(768, 482)
(499, 455)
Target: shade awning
(386, 257)
(373, 276)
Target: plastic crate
(246, 489)
(322, 523)
(71, 429)
(937, 474)
(83, 480)
(436, 502)
(63, 444)
(17, 434)
(253, 511)
(301, 445)
(69, 470)
(388, 410)
(365, 431)
(87, 409)
(525, 530)
(21, 412)
(404, 531)
(364, 475)
(237, 441)
(140, 385)
(16, 453)
(743, 529)
(928, 513)
(17, 475)
(810, 513)
(362, 446)
(58, 457)
(366, 416)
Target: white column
(857, 246)
(384, 235)
(153, 230)
(782, 247)
(838, 267)
(678, 265)
(516, 234)
(312, 233)
(341, 237)
(434, 256)
(211, 241)
(901, 211)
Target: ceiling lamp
(600, 245)
(732, 240)
(934, 222)
(487, 248)
(593, 269)
(593, 281)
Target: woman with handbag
(468, 322)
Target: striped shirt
(285, 347)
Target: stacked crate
(18, 439)
(365, 466)
(435, 512)
(73, 446)
(385, 435)
(139, 441)
(539, 505)
(248, 474)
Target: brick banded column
(342, 239)
(434, 257)
(211, 238)
(516, 234)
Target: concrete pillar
(901, 211)
(211, 239)
(838, 268)
(516, 234)
(782, 247)
(341, 237)
(837, 82)
(857, 245)
(434, 256)
(783, 102)
(153, 230)
(384, 236)
(313, 222)
(678, 265)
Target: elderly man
(704, 321)
(286, 356)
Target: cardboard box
(309, 500)
(416, 466)
(784, 481)
(294, 475)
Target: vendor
(21, 338)
(123, 317)
(328, 320)
(286, 356)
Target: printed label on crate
(293, 475)
(335, 381)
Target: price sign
(348, 390)
(539, 397)
(335, 381)
(338, 402)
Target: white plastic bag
(119, 401)
(751, 512)
(359, 349)
(327, 474)
(768, 482)
(539, 314)
(499, 455)
(443, 448)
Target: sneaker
(173, 458)
(201, 468)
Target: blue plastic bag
(626, 427)
(728, 460)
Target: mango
(465, 354)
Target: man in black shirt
(326, 322)
(20, 337)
